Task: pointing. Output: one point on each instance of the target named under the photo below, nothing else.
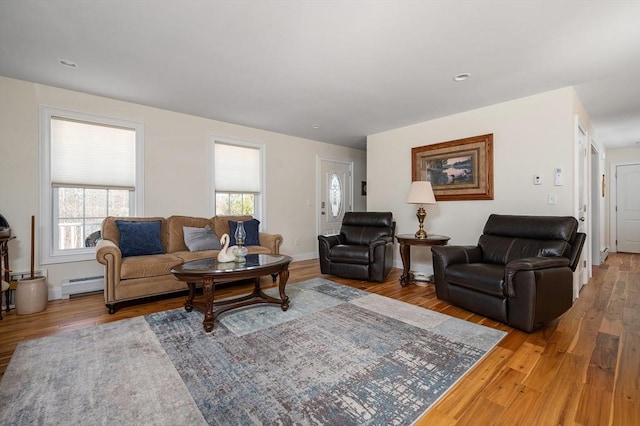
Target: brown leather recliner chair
(364, 248)
(520, 273)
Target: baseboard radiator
(603, 254)
(77, 286)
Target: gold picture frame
(461, 169)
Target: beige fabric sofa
(135, 277)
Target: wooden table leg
(405, 255)
(208, 290)
(188, 303)
(284, 276)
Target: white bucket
(31, 295)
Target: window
(335, 195)
(91, 170)
(237, 178)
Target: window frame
(260, 198)
(49, 252)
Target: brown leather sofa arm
(109, 254)
(272, 241)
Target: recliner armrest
(531, 264)
(450, 255)
(382, 241)
(330, 240)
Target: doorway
(627, 208)
(335, 194)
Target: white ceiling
(353, 67)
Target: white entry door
(336, 194)
(628, 208)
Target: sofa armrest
(271, 241)
(109, 254)
(530, 264)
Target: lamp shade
(421, 193)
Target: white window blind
(237, 168)
(89, 154)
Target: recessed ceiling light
(315, 126)
(68, 63)
(462, 76)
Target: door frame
(319, 160)
(581, 278)
(613, 202)
(597, 201)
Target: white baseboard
(304, 256)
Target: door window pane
(335, 195)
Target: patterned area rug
(339, 355)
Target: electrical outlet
(296, 241)
(552, 199)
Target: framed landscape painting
(458, 170)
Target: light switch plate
(558, 180)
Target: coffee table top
(211, 266)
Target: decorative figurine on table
(226, 253)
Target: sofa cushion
(250, 227)
(481, 277)
(148, 266)
(175, 230)
(532, 227)
(221, 223)
(198, 239)
(110, 229)
(140, 238)
(363, 228)
(188, 256)
(502, 250)
(343, 253)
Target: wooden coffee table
(210, 272)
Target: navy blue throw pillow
(140, 238)
(250, 227)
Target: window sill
(76, 256)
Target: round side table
(408, 240)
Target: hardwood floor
(584, 369)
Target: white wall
(175, 169)
(532, 135)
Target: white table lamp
(421, 193)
